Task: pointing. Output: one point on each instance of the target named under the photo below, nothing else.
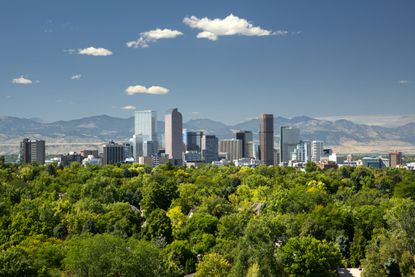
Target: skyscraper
(245, 137)
(194, 141)
(266, 138)
(32, 151)
(145, 133)
(289, 139)
(173, 124)
(395, 159)
(209, 148)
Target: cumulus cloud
(231, 25)
(403, 82)
(128, 107)
(92, 51)
(131, 90)
(152, 36)
(76, 77)
(22, 81)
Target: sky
(224, 60)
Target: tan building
(233, 148)
(173, 136)
(395, 159)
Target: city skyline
(353, 59)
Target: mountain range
(343, 135)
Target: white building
(316, 150)
(145, 133)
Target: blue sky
(301, 57)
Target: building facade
(289, 138)
(246, 137)
(113, 153)
(32, 151)
(266, 139)
(209, 148)
(173, 124)
(233, 148)
(145, 133)
(316, 150)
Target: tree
(305, 256)
(213, 265)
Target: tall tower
(245, 137)
(145, 133)
(32, 151)
(289, 139)
(266, 138)
(173, 125)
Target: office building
(302, 152)
(194, 141)
(266, 139)
(91, 160)
(209, 148)
(128, 150)
(252, 149)
(71, 157)
(395, 159)
(32, 151)
(113, 153)
(316, 150)
(145, 134)
(246, 138)
(289, 138)
(233, 148)
(173, 124)
(192, 156)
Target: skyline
(209, 59)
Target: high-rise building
(395, 159)
(233, 148)
(245, 137)
(302, 152)
(289, 138)
(316, 150)
(113, 153)
(266, 139)
(173, 139)
(145, 133)
(209, 148)
(253, 150)
(194, 141)
(32, 151)
(69, 158)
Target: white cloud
(128, 107)
(403, 82)
(92, 51)
(229, 26)
(76, 77)
(22, 81)
(131, 90)
(152, 36)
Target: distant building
(173, 139)
(192, 156)
(395, 159)
(302, 152)
(276, 157)
(72, 157)
(233, 148)
(266, 139)
(153, 160)
(92, 160)
(247, 162)
(209, 148)
(88, 152)
(316, 150)
(2, 160)
(338, 159)
(289, 138)
(145, 134)
(246, 137)
(253, 150)
(194, 141)
(32, 151)
(377, 163)
(128, 150)
(113, 153)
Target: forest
(132, 220)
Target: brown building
(32, 151)
(395, 159)
(173, 135)
(85, 153)
(266, 139)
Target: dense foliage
(130, 220)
